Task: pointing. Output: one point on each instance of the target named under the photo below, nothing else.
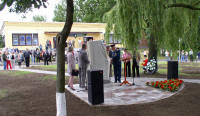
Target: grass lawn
(15, 73)
(185, 69)
(3, 93)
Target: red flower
(170, 85)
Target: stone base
(114, 94)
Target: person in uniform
(116, 63)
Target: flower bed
(170, 85)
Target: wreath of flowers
(169, 85)
(151, 65)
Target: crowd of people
(116, 59)
(11, 57)
(183, 55)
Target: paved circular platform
(126, 95)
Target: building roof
(55, 27)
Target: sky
(5, 15)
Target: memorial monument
(99, 60)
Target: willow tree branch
(182, 5)
(196, 3)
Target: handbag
(75, 72)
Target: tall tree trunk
(153, 48)
(60, 50)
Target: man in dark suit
(116, 63)
(46, 57)
(27, 57)
(83, 64)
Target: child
(145, 61)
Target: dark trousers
(83, 78)
(46, 62)
(135, 67)
(110, 73)
(191, 58)
(27, 62)
(128, 69)
(117, 72)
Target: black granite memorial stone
(95, 87)
(172, 72)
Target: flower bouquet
(170, 85)
(151, 67)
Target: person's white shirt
(182, 53)
(190, 52)
(186, 53)
(166, 53)
(9, 56)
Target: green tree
(84, 10)
(162, 22)
(39, 18)
(60, 12)
(92, 10)
(22, 6)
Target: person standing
(191, 55)
(34, 56)
(9, 61)
(167, 55)
(38, 56)
(198, 55)
(27, 57)
(13, 60)
(116, 63)
(83, 64)
(4, 57)
(126, 58)
(182, 56)
(46, 58)
(135, 66)
(186, 56)
(109, 52)
(20, 58)
(70, 66)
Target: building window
(35, 40)
(24, 39)
(28, 39)
(15, 40)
